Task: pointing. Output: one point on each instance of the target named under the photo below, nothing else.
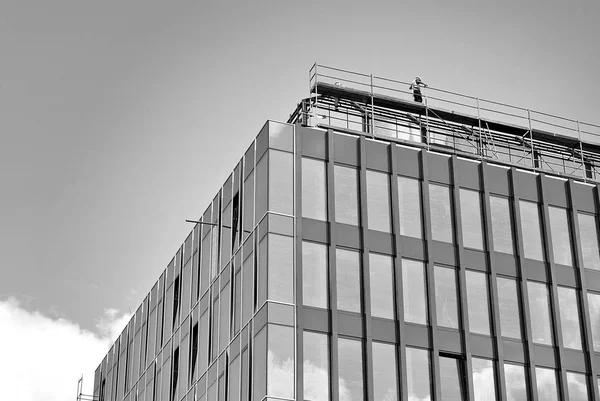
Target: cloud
(42, 357)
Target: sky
(119, 120)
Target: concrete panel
(482, 346)
(592, 279)
(383, 330)
(438, 168)
(574, 360)
(416, 336)
(497, 180)
(476, 260)
(315, 230)
(350, 325)
(449, 340)
(544, 356)
(412, 248)
(442, 252)
(346, 149)
(377, 156)
(468, 174)
(314, 142)
(513, 351)
(407, 162)
(565, 276)
(381, 242)
(505, 264)
(584, 197)
(535, 270)
(314, 319)
(526, 186)
(556, 192)
(348, 236)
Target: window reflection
(281, 268)
(516, 384)
(314, 189)
(502, 233)
(348, 280)
(316, 367)
(409, 206)
(281, 182)
(446, 305)
(441, 213)
(577, 385)
(452, 379)
(470, 214)
(569, 317)
(350, 370)
(280, 361)
(346, 194)
(382, 285)
(561, 237)
(484, 380)
(418, 374)
(546, 384)
(539, 312)
(314, 275)
(478, 303)
(530, 227)
(510, 322)
(378, 201)
(594, 306)
(385, 387)
(413, 291)
(588, 236)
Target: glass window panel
(205, 265)
(280, 362)
(281, 182)
(248, 210)
(281, 268)
(314, 189)
(516, 384)
(441, 213)
(346, 194)
(418, 374)
(314, 275)
(577, 385)
(261, 188)
(530, 227)
(245, 387)
(414, 291)
(203, 344)
(588, 236)
(224, 318)
(248, 288)
(484, 380)
(350, 370)
(259, 362)
(385, 386)
(446, 304)
(225, 235)
(382, 285)
(409, 206)
(502, 233)
(348, 280)
(452, 383)
(470, 214)
(539, 313)
(546, 384)
(478, 302)
(594, 306)
(378, 201)
(569, 317)
(508, 302)
(237, 300)
(316, 367)
(561, 237)
(281, 136)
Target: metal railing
(494, 130)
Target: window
(314, 275)
(409, 206)
(478, 302)
(234, 380)
(452, 381)
(194, 355)
(348, 280)
(546, 384)
(577, 385)
(385, 386)
(175, 374)
(314, 189)
(569, 317)
(280, 361)
(316, 367)
(441, 213)
(248, 209)
(418, 374)
(224, 323)
(502, 233)
(414, 291)
(470, 214)
(281, 268)
(530, 227)
(539, 313)
(247, 290)
(378, 201)
(237, 301)
(510, 321)
(245, 367)
(561, 237)
(594, 306)
(281, 182)
(259, 362)
(484, 379)
(346, 195)
(446, 305)
(516, 384)
(350, 361)
(382, 285)
(203, 343)
(588, 236)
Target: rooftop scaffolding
(478, 128)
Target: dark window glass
(225, 235)
(569, 317)
(508, 302)
(502, 233)
(588, 235)
(382, 285)
(577, 385)
(350, 368)
(378, 201)
(516, 384)
(348, 280)
(452, 382)
(203, 344)
(484, 379)
(478, 302)
(546, 384)
(281, 268)
(441, 213)
(594, 306)
(280, 362)
(314, 275)
(346, 195)
(446, 304)
(561, 237)
(409, 206)
(194, 353)
(281, 182)
(530, 227)
(248, 210)
(470, 214)
(418, 374)
(314, 189)
(385, 386)
(316, 367)
(539, 312)
(247, 290)
(414, 292)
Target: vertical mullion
(299, 300)
(332, 277)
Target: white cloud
(42, 357)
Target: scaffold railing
(451, 121)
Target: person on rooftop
(416, 86)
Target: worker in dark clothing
(416, 86)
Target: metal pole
(317, 95)
(480, 139)
(531, 138)
(427, 138)
(372, 111)
(581, 152)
